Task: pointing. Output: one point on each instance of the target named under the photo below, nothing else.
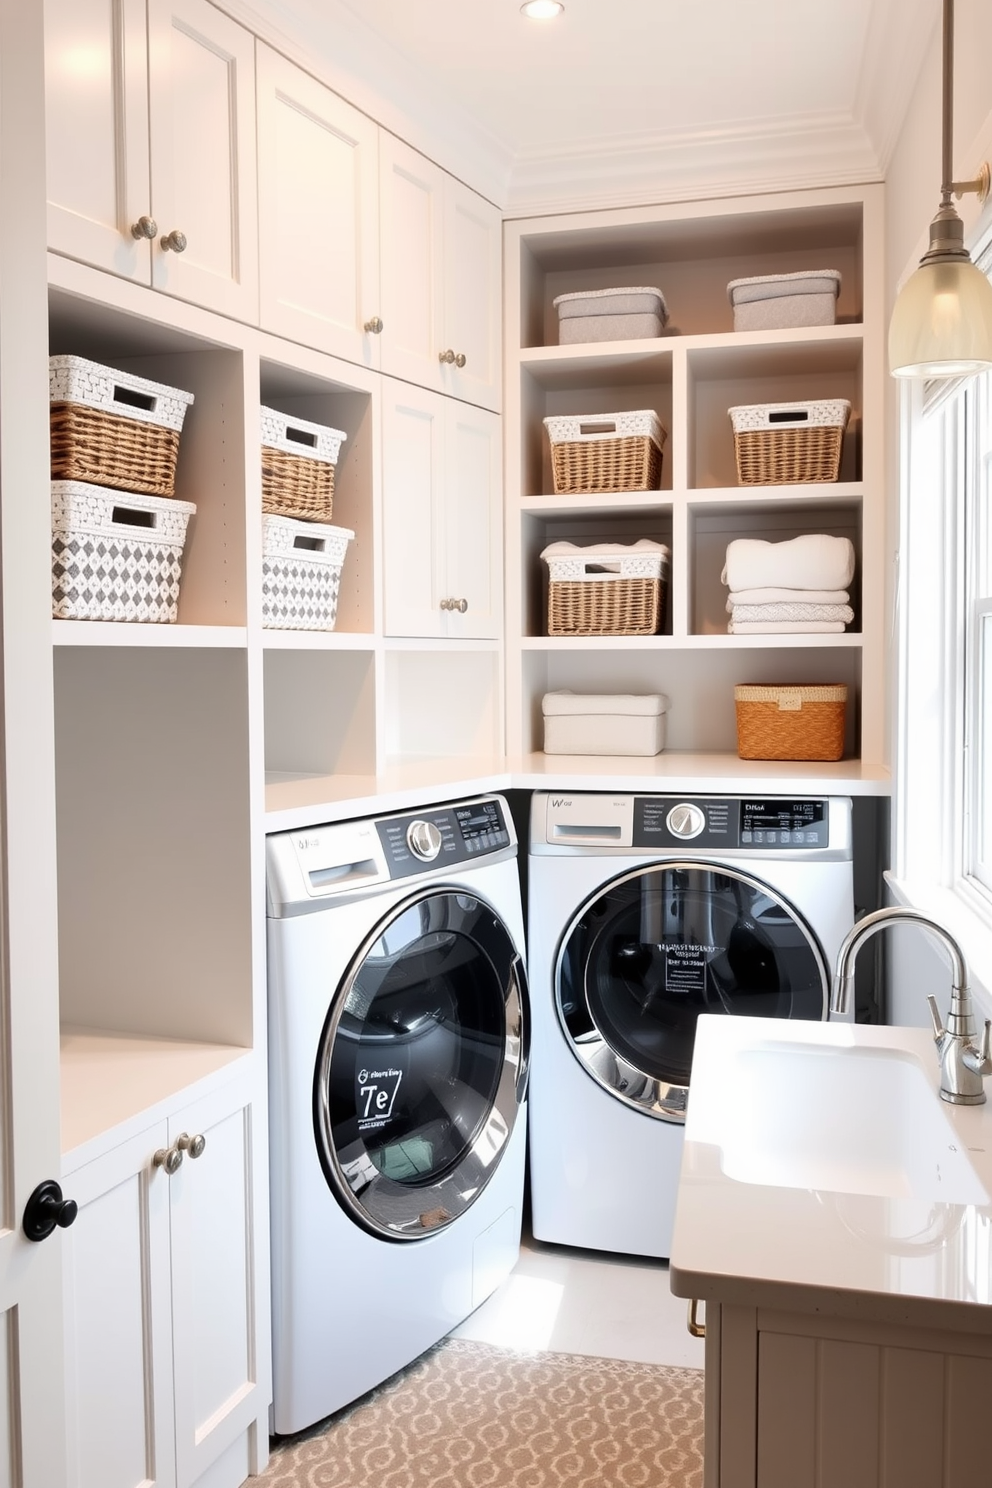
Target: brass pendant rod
(947, 93)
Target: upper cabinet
(151, 146)
(441, 266)
(318, 206)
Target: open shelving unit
(691, 376)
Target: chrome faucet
(962, 1064)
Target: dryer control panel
(442, 836)
(728, 822)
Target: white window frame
(943, 724)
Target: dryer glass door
(421, 1067)
(657, 947)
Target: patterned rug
(468, 1415)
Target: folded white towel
(794, 611)
(784, 627)
(816, 560)
(786, 596)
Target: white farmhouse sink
(853, 1119)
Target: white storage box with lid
(298, 460)
(116, 555)
(579, 723)
(301, 573)
(773, 302)
(111, 428)
(611, 314)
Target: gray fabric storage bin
(624, 314)
(775, 302)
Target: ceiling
(620, 100)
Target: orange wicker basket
(791, 723)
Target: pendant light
(942, 321)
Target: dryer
(643, 912)
(398, 1066)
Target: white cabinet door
(318, 214)
(118, 1335)
(202, 113)
(441, 266)
(473, 525)
(96, 87)
(473, 290)
(411, 231)
(442, 521)
(413, 518)
(217, 1391)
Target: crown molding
(806, 151)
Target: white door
(32, 1396)
(318, 214)
(473, 289)
(118, 1333)
(96, 87)
(217, 1389)
(412, 513)
(411, 224)
(202, 122)
(473, 507)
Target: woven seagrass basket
(112, 428)
(606, 590)
(606, 452)
(789, 443)
(790, 723)
(298, 460)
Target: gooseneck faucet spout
(962, 1064)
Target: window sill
(970, 927)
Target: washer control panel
(443, 836)
(730, 822)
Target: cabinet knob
(169, 1158)
(175, 240)
(193, 1145)
(446, 356)
(461, 605)
(145, 227)
(460, 359)
(47, 1210)
(374, 326)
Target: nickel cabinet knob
(374, 326)
(145, 227)
(446, 356)
(174, 241)
(461, 605)
(169, 1158)
(193, 1145)
(460, 359)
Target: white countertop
(803, 1226)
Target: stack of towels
(789, 587)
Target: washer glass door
(657, 947)
(421, 1066)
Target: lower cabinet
(162, 1381)
(803, 1400)
(442, 515)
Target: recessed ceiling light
(542, 10)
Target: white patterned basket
(606, 590)
(116, 555)
(301, 573)
(790, 415)
(72, 379)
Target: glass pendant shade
(942, 322)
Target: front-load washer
(398, 1065)
(643, 912)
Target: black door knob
(46, 1209)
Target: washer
(398, 1066)
(645, 911)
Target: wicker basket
(298, 460)
(606, 452)
(790, 723)
(116, 555)
(787, 443)
(614, 590)
(110, 428)
(301, 573)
